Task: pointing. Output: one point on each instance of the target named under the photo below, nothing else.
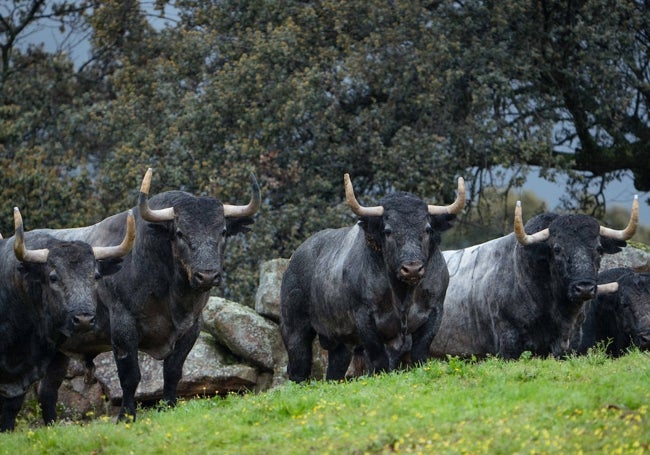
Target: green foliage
(491, 406)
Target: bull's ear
(238, 225)
(441, 223)
(612, 246)
(539, 251)
(109, 266)
(363, 223)
(161, 228)
(25, 268)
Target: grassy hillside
(589, 404)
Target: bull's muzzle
(205, 279)
(83, 322)
(411, 272)
(582, 290)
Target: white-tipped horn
(456, 206)
(357, 208)
(630, 229)
(148, 214)
(607, 288)
(520, 233)
(238, 211)
(108, 252)
(20, 250)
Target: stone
(207, 372)
(633, 256)
(244, 332)
(267, 297)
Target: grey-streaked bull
(620, 319)
(525, 292)
(154, 303)
(378, 285)
(47, 294)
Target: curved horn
(522, 237)
(108, 252)
(237, 211)
(21, 252)
(630, 229)
(456, 206)
(146, 213)
(357, 208)
(607, 288)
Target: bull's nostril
(207, 277)
(412, 269)
(83, 321)
(585, 290)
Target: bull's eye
(557, 249)
(53, 277)
(387, 231)
(179, 234)
(428, 229)
(224, 232)
(97, 275)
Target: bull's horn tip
(146, 181)
(518, 203)
(18, 218)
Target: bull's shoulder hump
(329, 248)
(105, 232)
(482, 254)
(329, 239)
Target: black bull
(525, 292)
(620, 319)
(154, 303)
(47, 294)
(378, 285)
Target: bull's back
(319, 257)
(107, 232)
(316, 280)
(477, 276)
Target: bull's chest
(160, 330)
(394, 317)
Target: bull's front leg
(48, 388)
(424, 335)
(173, 364)
(10, 408)
(338, 358)
(372, 343)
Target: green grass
(590, 404)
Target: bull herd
(381, 290)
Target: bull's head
(573, 246)
(631, 307)
(198, 228)
(405, 228)
(635, 306)
(63, 276)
